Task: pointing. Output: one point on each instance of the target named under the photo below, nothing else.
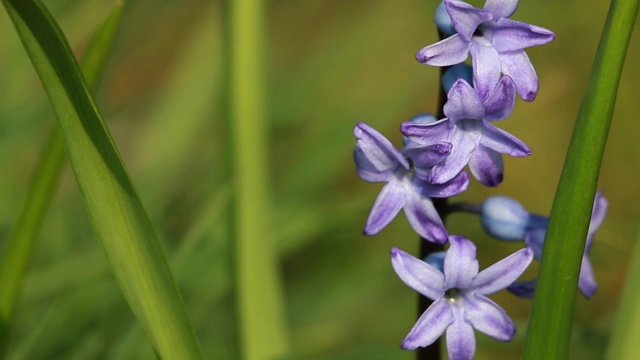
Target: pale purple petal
(501, 8)
(453, 187)
(465, 17)
(488, 317)
(460, 264)
(376, 158)
(450, 51)
(600, 205)
(463, 102)
(587, 282)
(534, 239)
(516, 64)
(465, 138)
(426, 156)
(427, 134)
(510, 35)
(487, 166)
(417, 274)
(486, 68)
(499, 104)
(461, 341)
(430, 326)
(523, 289)
(502, 142)
(389, 202)
(501, 274)
(423, 216)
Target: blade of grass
(45, 181)
(262, 328)
(114, 207)
(624, 344)
(550, 326)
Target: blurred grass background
(330, 63)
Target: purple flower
(496, 44)
(475, 140)
(458, 294)
(378, 161)
(506, 219)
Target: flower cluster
(432, 164)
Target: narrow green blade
(114, 207)
(549, 330)
(45, 180)
(262, 326)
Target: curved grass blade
(549, 329)
(45, 181)
(262, 326)
(114, 207)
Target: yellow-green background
(330, 63)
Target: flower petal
(501, 8)
(488, 317)
(502, 142)
(516, 64)
(430, 326)
(463, 102)
(487, 166)
(600, 205)
(534, 239)
(499, 104)
(486, 68)
(510, 35)
(466, 18)
(523, 289)
(427, 134)
(376, 159)
(450, 51)
(460, 264)
(501, 274)
(455, 186)
(417, 274)
(465, 138)
(388, 203)
(423, 217)
(426, 156)
(587, 282)
(461, 341)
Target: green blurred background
(330, 64)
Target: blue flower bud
(455, 72)
(436, 260)
(504, 218)
(424, 118)
(443, 21)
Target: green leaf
(624, 344)
(114, 207)
(45, 181)
(262, 326)
(549, 330)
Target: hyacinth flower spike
(496, 44)
(459, 296)
(378, 161)
(468, 128)
(506, 219)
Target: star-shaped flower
(467, 127)
(378, 161)
(496, 44)
(460, 304)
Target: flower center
(453, 294)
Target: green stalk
(20, 245)
(549, 331)
(262, 328)
(115, 210)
